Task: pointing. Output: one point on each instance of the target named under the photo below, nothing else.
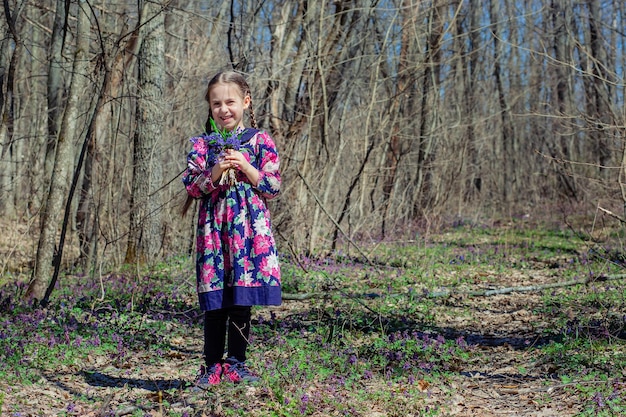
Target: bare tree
(597, 87)
(144, 240)
(504, 140)
(562, 150)
(47, 252)
(7, 154)
(385, 115)
(430, 116)
(115, 64)
(56, 89)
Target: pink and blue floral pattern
(236, 256)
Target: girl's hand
(235, 159)
(221, 166)
(238, 161)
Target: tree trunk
(35, 123)
(401, 100)
(56, 84)
(599, 94)
(87, 212)
(504, 140)
(429, 116)
(47, 254)
(144, 239)
(7, 153)
(560, 146)
(469, 169)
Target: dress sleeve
(197, 176)
(269, 163)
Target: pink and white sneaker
(209, 377)
(237, 371)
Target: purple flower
(304, 402)
(599, 399)
(460, 341)
(217, 142)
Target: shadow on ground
(99, 379)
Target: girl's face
(227, 105)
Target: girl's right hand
(196, 164)
(216, 171)
(221, 166)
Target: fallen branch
(610, 213)
(483, 293)
(301, 297)
(528, 288)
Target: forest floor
(412, 333)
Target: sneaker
(237, 371)
(209, 377)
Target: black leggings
(215, 333)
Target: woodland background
(388, 115)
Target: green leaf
(222, 132)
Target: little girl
(233, 170)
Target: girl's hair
(223, 78)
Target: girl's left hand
(235, 159)
(238, 161)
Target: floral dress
(236, 257)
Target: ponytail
(252, 118)
(188, 202)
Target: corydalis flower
(222, 138)
(218, 141)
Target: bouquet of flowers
(218, 142)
